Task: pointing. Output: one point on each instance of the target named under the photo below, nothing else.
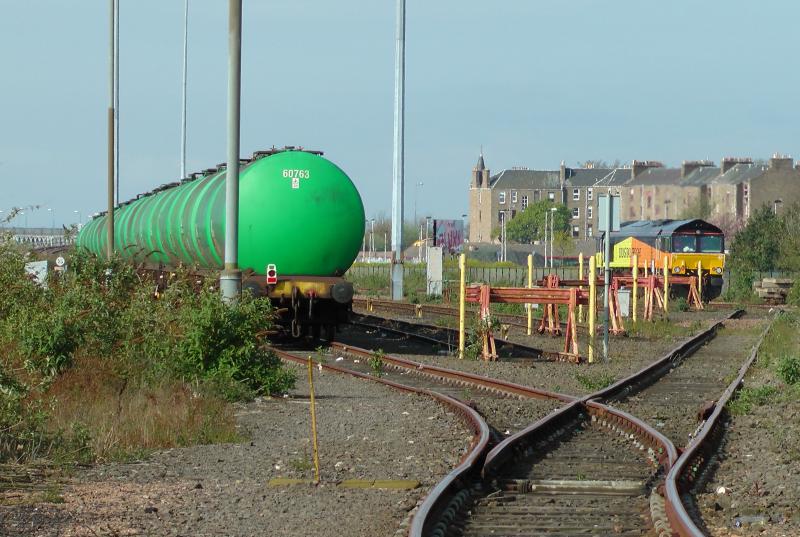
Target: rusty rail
(691, 462)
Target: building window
(576, 194)
(589, 230)
(649, 201)
(513, 213)
(589, 192)
(537, 195)
(576, 213)
(589, 212)
(513, 196)
(551, 196)
(524, 202)
(576, 230)
(501, 197)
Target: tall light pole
(111, 132)
(399, 153)
(116, 101)
(230, 281)
(52, 217)
(372, 238)
(545, 237)
(80, 218)
(416, 195)
(183, 85)
(552, 236)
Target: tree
(698, 208)
(600, 164)
(757, 246)
(528, 225)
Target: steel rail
(691, 462)
(661, 447)
(638, 380)
(548, 355)
(479, 427)
(444, 374)
(520, 321)
(451, 492)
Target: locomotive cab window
(684, 243)
(711, 244)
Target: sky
(531, 82)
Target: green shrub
(789, 369)
(595, 381)
(747, 398)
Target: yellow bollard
(580, 277)
(634, 297)
(592, 302)
(462, 262)
(313, 419)
(666, 286)
(530, 286)
(700, 280)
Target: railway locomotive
(683, 242)
(301, 221)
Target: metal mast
(231, 278)
(111, 141)
(399, 155)
(183, 94)
(116, 101)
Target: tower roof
(480, 165)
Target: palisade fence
(375, 278)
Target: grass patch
(95, 367)
(657, 329)
(747, 398)
(593, 382)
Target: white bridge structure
(37, 237)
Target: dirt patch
(364, 433)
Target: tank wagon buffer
(301, 221)
(686, 244)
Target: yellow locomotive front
(691, 247)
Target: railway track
(586, 468)
(444, 339)
(508, 320)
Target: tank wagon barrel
(299, 214)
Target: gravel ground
(759, 468)
(672, 404)
(364, 433)
(627, 355)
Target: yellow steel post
(700, 280)
(592, 302)
(635, 301)
(462, 262)
(580, 277)
(313, 419)
(666, 286)
(530, 286)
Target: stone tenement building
(647, 190)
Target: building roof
(585, 176)
(657, 176)
(526, 179)
(701, 176)
(741, 173)
(615, 177)
(480, 165)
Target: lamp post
(372, 238)
(52, 217)
(545, 237)
(552, 241)
(416, 195)
(80, 218)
